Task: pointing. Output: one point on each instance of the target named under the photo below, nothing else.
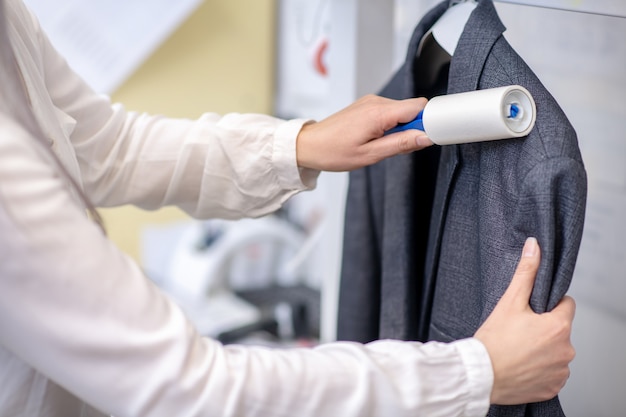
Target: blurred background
(274, 280)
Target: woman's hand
(530, 352)
(353, 137)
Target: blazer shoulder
(553, 130)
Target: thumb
(521, 285)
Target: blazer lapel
(481, 32)
(403, 197)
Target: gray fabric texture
(432, 239)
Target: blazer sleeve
(552, 208)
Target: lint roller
(476, 116)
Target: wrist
(480, 375)
(284, 157)
(304, 152)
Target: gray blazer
(432, 239)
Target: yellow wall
(220, 60)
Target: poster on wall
(106, 40)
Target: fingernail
(422, 141)
(530, 248)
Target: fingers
(566, 307)
(563, 317)
(404, 111)
(383, 114)
(521, 285)
(389, 112)
(398, 143)
(397, 112)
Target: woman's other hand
(530, 353)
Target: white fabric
(79, 322)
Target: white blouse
(82, 329)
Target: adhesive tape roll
(482, 115)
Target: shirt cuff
(479, 372)
(291, 177)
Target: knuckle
(564, 327)
(422, 101)
(556, 387)
(525, 271)
(560, 327)
(556, 383)
(526, 266)
(554, 391)
(548, 394)
(571, 354)
(404, 144)
(370, 99)
(374, 112)
(571, 301)
(371, 157)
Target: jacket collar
(482, 30)
(427, 21)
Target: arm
(78, 307)
(230, 166)
(217, 166)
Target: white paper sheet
(106, 40)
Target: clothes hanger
(449, 27)
(438, 44)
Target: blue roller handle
(418, 124)
(414, 124)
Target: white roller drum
(482, 115)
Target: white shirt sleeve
(231, 166)
(81, 312)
